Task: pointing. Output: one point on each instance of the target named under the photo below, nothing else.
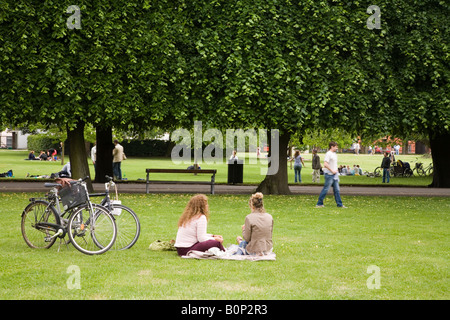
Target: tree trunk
(440, 153)
(405, 146)
(277, 183)
(78, 158)
(105, 146)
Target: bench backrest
(180, 171)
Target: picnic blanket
(216, 254)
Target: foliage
(419, 73)
(321, 138)
(284, 65)
(42, 142)
(107, 72)
(145, 148)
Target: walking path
(38, 186)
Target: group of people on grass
(49, 155)
(347, 171)
(343, 170)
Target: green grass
(321, 253)
(134, 168)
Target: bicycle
(378, 172)
(423, 171)
(128, 225)
(418, 168)
(428, 169)
(91, 228)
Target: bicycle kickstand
(65, 242)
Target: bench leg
(146, 184)
(213, 180)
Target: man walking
(330, 171)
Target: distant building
(414, 147)
(13, 139)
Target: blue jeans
(330, 181)
(117, 170)
(297, 171)
(242, 246)
(386, 175)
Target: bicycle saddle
(51, 185)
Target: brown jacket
(258, 233)
(118, 153)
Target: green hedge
(42, 142)
(145, 148)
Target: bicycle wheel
(128, 227)
(40, 223)
(407, 173)
(378, 172)
(392, 171)
(92, 231)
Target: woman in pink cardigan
(192, 227)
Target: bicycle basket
(72, 196)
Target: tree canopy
(274, 64)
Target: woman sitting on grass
(257, 230)
(192, 227)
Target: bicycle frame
(53, 201)
(106, 201)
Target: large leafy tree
(280, 65)
(283, 65)
(418, 86)
(110, 72)
(296, 66)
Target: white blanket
(215, 254)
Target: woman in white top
(192, 227)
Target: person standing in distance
(117, 160)
(386, 165)
(316, 166)
(330, 171)
(94, 154)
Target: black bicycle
(423, 171)
(127, 221)
(91, 228)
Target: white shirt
(94, 153)
(193, 232)
(331, 159)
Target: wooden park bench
(179, 171)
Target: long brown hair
(197, 205)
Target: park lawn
(255, 169)
(321, 253)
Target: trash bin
(235, 171)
